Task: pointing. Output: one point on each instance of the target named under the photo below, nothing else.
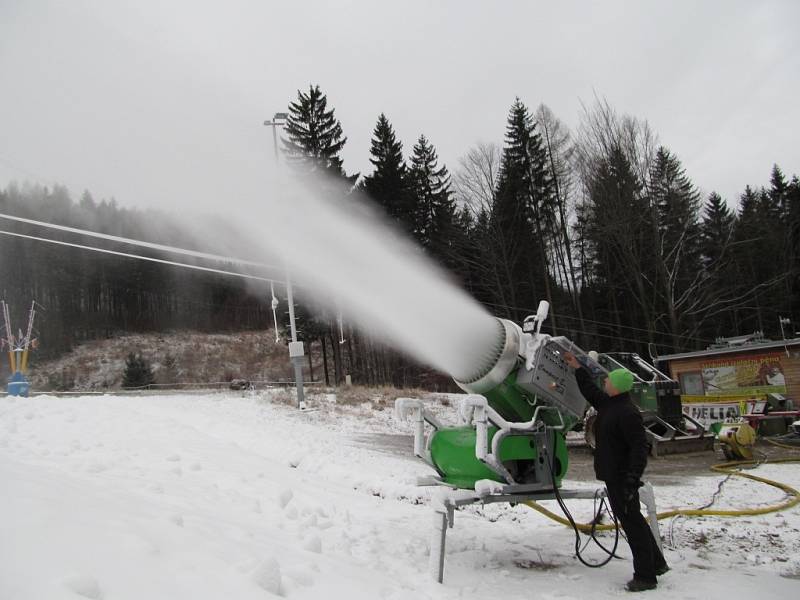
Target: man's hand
(631, 487)
(570, 359)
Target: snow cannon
(737, 441)
(523, 399)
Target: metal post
(275, 140)
(295, 348)
(9, 337)
(438, 541)
(648, 497)
(27, 342)
(784, 321)
(296, 352)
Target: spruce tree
(433, 199)
(617, 232)
(519, 214)
(766, 259)
(777, 231)
(314, 135)
(778, 193)
(675, 199)
(138, 372)
(388, 183)
(748, 235)
(748, 212)
(793, 244)
(719, 273)
(674, 204)
(716, 229)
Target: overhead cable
(140, 257)
(151, 245)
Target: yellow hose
(727, 468)
(774, 443)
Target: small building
(718, 383)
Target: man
(620, 457)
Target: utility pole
(296, 351)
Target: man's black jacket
(621, 445)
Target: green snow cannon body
(522, 401)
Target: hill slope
(195, 358)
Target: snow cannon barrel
(522, 372)
(495, 375)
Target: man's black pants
(646, 555)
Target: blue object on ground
(18, 385)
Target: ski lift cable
(140, 257)
(133, 242)
(607, 323)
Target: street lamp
(296, 351)
(784, 321)
(278, 120)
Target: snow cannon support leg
(648, 497)
(443, 516)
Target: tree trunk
(325, 361)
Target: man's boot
(640, 585)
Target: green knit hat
(621, 379)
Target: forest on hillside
(603, 221)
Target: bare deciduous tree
(476, 179)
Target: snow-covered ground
(230, 496)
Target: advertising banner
(760, 374)
(716, 412)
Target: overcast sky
(151, 102)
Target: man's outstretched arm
(586, 385)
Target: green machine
(522, 400)
(509, 444)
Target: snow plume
(342, 253)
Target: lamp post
(278, 120)
(784, 321)
(296, 351)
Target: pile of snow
(224, 496)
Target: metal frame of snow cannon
(475, 410)
(445, 505)
(412, 407)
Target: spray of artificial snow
(347, 257)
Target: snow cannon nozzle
(496, 362)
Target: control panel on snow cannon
(512, 427)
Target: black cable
(716, 494)
(597, 519)
(598, 513)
